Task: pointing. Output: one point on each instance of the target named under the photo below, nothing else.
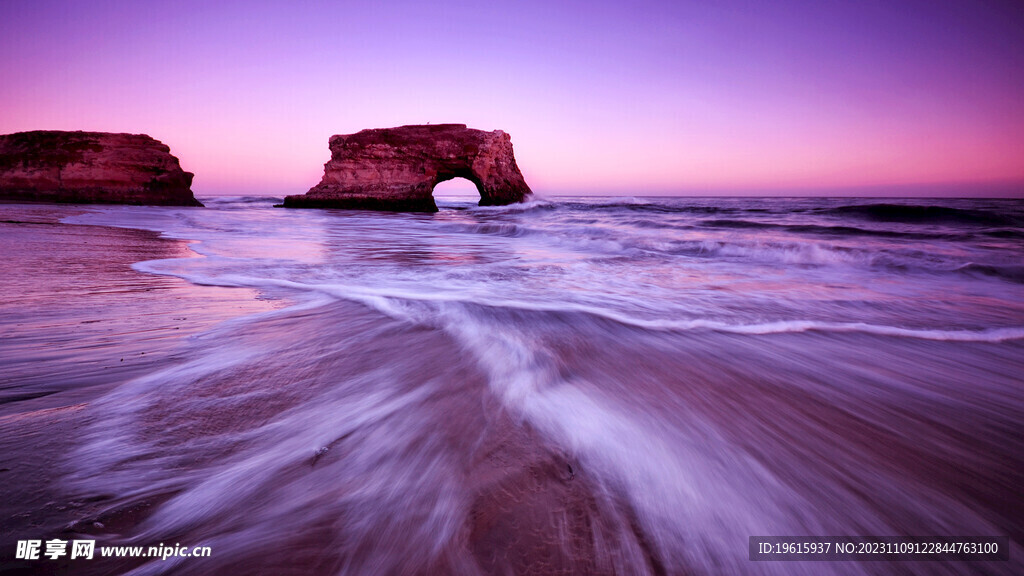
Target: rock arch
(397, 168)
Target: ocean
(570, 385)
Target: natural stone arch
(397, 168)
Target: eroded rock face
(397, 168)
(91, 167)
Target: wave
(1004, 233)
(1011, 273)
(818, 229)
(534, 204)
(923, 214)
(791, 253)
(793, 326)
(395, 303)
(226, 201)
(505, 229)
(992, 335)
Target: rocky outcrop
(91, 167)
(397, 168)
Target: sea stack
(91, 167)
(396, 169)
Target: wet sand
(94, 323)
(408, 436)
(104, 324)
(521, 508)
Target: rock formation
(397, 168)
(91, 167)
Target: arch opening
(458, 188)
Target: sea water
(631, 385)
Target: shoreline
(80, 321)
(514, 479)
(454, 437)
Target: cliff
(397, 168)
(91, 167)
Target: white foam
(389, 301)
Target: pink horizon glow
(600, 97)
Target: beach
(78, 321)
(108, 324)
(568, 386)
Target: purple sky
(599, 97)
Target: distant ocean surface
(591, 385)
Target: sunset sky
(701, 97)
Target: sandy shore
(416, 436)
(77, 322)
